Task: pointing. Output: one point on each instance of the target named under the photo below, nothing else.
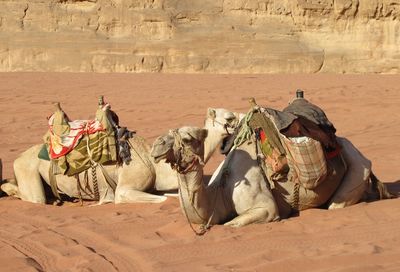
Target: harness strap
(263, 167)
(53, 181)
(78, 187)
(110, 181)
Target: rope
(245, 131)
(296, 197)
(183, 171)
(87, 186)
(53, 181)
(202, 231)
(94, 173)
(78, 187)
(204, 227)
(95, 182)
(146, 161)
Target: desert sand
(156, 237)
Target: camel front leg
(254, 215)
(29, 182)
(128, 195)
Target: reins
(183, 171)
(204, 227)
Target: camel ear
(211, 113)
(198, 133)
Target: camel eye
(186, 140)
(230, 120)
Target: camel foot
(171, 195)
(133, 196)
(102, 202)
(99, 204)
(10, 189)
(234, 224)
(255, 215)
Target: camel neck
(211, 143)
(196, 199)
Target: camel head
(181, 147)
(222, 121)
(221, 124)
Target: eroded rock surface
(196, 36)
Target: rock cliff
(201, 36)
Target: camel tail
(380, 188)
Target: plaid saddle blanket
(306, 156)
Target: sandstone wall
(196, 36)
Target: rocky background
(201, 36)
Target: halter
(180, 153)
(227, 124)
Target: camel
(237, 198)
(239, 194)
(134, 181)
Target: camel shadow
(206, 179)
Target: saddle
(296, 142)
(74, 146)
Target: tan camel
(239, 194)
(134, 181)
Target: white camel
(239, 195)
(135, 182)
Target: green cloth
(259, 120)
(78, 160)
(44, 153)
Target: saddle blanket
(60, 145)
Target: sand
(156, 237)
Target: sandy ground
(156, 237)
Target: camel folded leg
(30, 186)
(254, 215)
(10, 189)
(123, 195)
